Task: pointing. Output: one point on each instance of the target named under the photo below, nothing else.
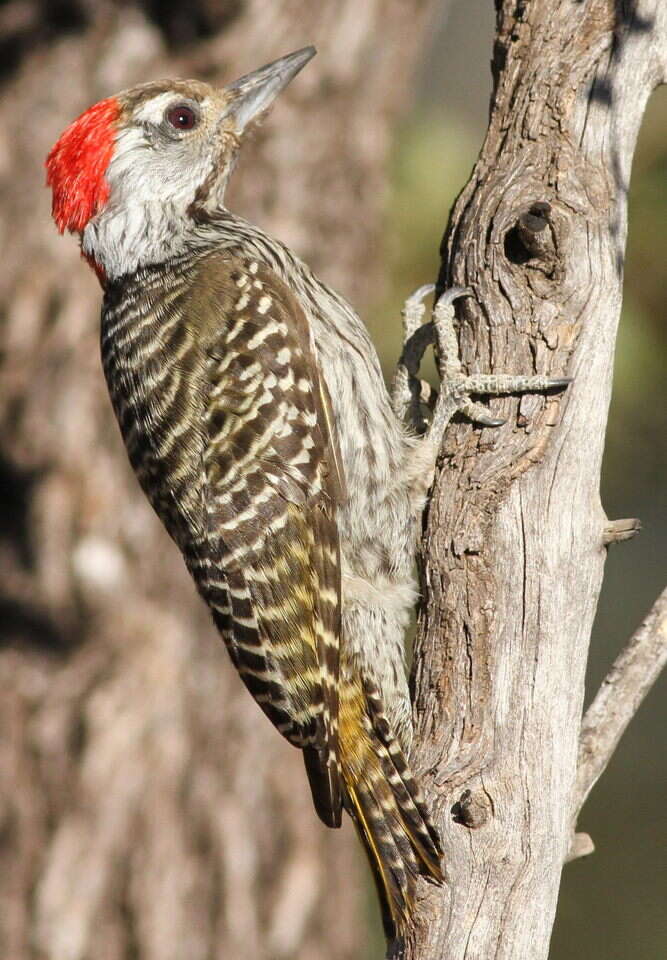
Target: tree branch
(514, 544)
(581, 846)
(631, 677)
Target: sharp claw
(560, 381)
(454, 293)
(420, 294)
(478, 413)
(490, 421)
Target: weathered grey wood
(581, 846)
(514, 541)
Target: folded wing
(272, 483)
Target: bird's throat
(119, 241)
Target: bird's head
(137, 167)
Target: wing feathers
(273, 478)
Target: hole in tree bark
(515, 249)
(526, 240)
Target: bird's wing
(272, 482)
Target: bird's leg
(408, 391)
(456, 387)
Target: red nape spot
(76, 166)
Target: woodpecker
(255, 415)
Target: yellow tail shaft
(386, 804)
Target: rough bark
(515, 536)
(147, 809)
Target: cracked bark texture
(147, 809)
(514, 542)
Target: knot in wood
(472, 810)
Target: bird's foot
(410, 394)
(456, 387)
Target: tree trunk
(515, 536)
(147, 809)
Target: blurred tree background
(363, 192)
(148, 811)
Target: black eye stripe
(181, 116)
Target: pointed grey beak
(254, 93)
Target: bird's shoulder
(266, 391)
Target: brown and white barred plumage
(255, 415)
(257, 506)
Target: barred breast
(153, 365)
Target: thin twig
(631, 677)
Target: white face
(170, 148)
(176, 146)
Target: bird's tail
(387, 806)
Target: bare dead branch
(581, 846)
(513, 562)
(618, 530)
(631, 677)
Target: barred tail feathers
(322, 763)
(387, 807)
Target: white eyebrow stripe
(153, 110)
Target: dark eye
(182, 117)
